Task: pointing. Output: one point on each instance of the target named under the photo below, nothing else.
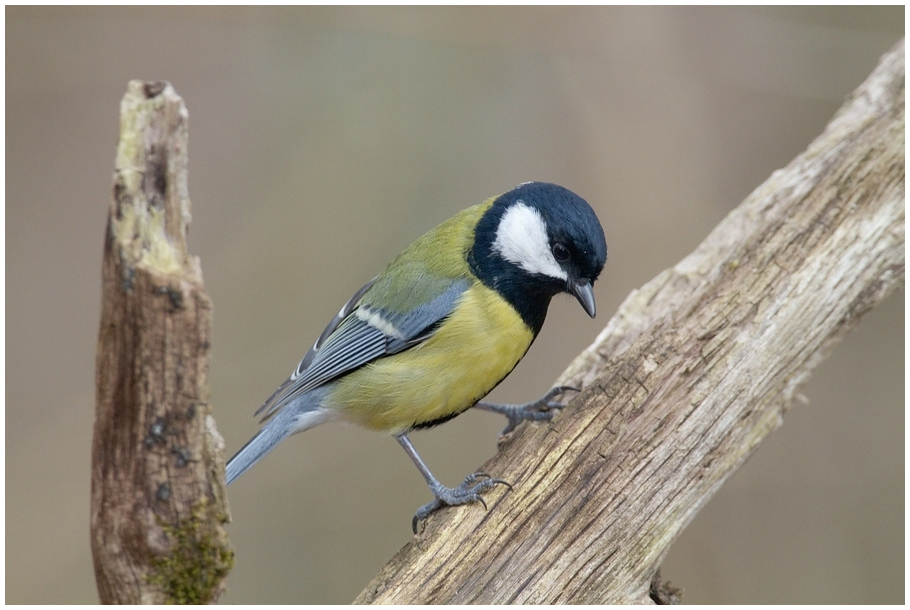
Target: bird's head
(536, 241)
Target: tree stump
(158, 500)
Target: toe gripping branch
(466, 493)
(477, 483)
(539, 410)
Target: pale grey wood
(694, 370)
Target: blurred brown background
(322, 141)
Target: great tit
(441, 326)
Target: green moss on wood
(199, 560)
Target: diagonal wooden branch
(685, 381)
(158, 502)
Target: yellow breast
(469, 354)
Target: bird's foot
(539, 410)
(466, 493)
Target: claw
(539, 410)
(560, 389)
(466, 493)
(473, 477)
(506, 483)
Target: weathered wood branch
(158, 501)
(685, 381)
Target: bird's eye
(560, 252)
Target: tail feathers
(254, 450)
(289, 421)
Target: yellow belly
(473, 351)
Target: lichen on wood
(158, 497)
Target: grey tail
(290, 420)
(255, 449)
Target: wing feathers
(351, 340)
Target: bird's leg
(539, 410)
(466, 493)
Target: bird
(444, 323)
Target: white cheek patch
(521, 239)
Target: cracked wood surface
(686, 380)
(158, 503)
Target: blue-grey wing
(359, 334)
(308, 358)
(342, 314)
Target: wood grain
(158, 502)
(693, 372)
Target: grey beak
(584, 292)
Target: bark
(693, 372)
(158, 501)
